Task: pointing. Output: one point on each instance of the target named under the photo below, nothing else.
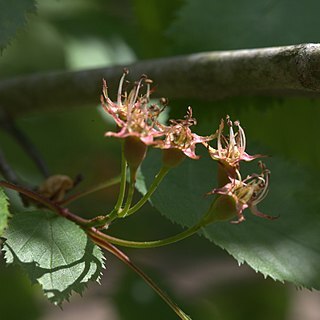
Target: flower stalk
(150, 244)
(99, 187)
(154, 185)
(123, 181)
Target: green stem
(124, 258)
(123, 181)
(99, 187)
(149, 244)
(157, 180)
(126, 207)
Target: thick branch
(292, 70)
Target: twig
(93, 234)
(96, 188)
(124, 258)
(64, 212)
(291, 70)
(8, 124)
(7, 172)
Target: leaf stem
(157, 180)
(124, 258)
(97, 188)
(148, 244)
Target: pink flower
(231, 149)
(245, 194)
(179, 136)
(132, 112)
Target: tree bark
(280, 71)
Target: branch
(8, 124)
(124, 258)
(64, 212)
(94, 235)
(6, 171)
(291, 70)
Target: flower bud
(134, 151)
(55, 187)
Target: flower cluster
(179, 136)
(245, 193)
(138, 124)
(231, 149)
(136, 117)
(132, 112)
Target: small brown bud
(56, 186)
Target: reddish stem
(124, 258)
(96, 237)
(64, 212)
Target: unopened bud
(55, 187)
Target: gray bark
(280, 71)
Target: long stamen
(265, 189)
(239, 175)
(131, 98)
(221, 126)
(143, 77)
(133, 95)
(232, 140)
(119, 100)
(104, 88)
(148, 82)
(242, 136)
(261, 196)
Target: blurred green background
(203, 279)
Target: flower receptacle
(171, 158)
(223, 208)
(134, 151)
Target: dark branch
(6, 171)
(8, 124)
(292, 70)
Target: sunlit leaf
(4, 211)
(54, 252)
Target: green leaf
(220, 25)
(54, 252)
(286, 249)
(13, 17)
(151, 18)
(4, 211)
